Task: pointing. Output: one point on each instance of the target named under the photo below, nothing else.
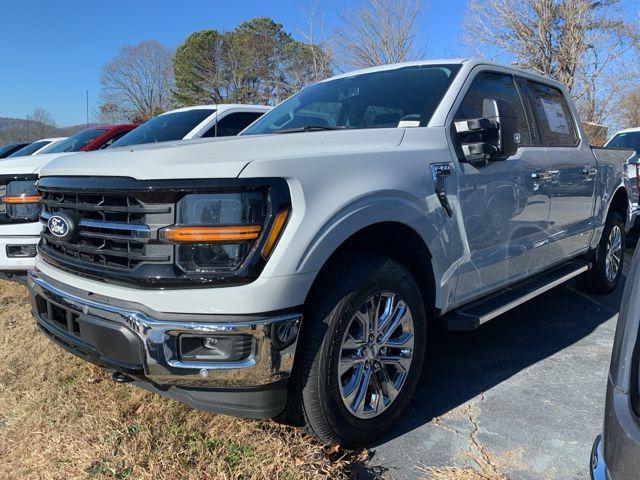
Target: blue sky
(51, 52)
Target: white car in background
(36, 147)
(201, 121)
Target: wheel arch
(395, 240)
(620, 203)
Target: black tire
(315, 401)
(596, 279)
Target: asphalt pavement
(520, 398)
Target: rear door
(573, 171)
(504, 211)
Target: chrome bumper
(270, 361)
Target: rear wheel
(362, 350)
(608, 258)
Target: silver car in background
(616, 453)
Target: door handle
(541, 176)
(589, 171)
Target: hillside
(18, 129)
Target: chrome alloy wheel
(375, 354)
(614, 253)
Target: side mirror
(481, 138)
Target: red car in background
(92, 138)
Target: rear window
(402, 97)
(165, 128)
(76, 142)
(30, 149)
(553, 116)
(626, 140)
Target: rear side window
(553, 116)
(502, 88)
(232, 124)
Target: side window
(232, 124)
(553, 116)
(112, 140)
(501, 88)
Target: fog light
(21, 251)
(215, 348)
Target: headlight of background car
(216, 233)
(20, 202)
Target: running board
(470, 317)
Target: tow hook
(120, 377)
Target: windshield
(30, 149)
(10, 147)
(403, 97)
(626, 140)
(76, 142)
(164, 128)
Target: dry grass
(63, 419)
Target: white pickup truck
(293, 270)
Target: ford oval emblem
(58, 226)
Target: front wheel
(608, 258)
(362, 350)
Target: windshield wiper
(311, 128)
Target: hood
(28, 165)
(219, 157)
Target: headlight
(218, 233)
(20, 201)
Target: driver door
(504, 210)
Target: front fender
(424, 216)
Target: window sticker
(408, 123)
(555, 116)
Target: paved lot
(521, 398)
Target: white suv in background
(201, 121)
(37, 147)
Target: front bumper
(143, 344)
(12, 239)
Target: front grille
(116, 231)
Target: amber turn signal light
(274, 234)
(188, 234)
(18, 199)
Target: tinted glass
(373, 100)
(553, 116)
(9, 148)
(107, 143)
(164, 128)
(502, 88)
(626, 140)
(29, 149)
(232, 124)
(76, 142)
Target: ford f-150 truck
(292, 271)
(20, 203)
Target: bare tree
(577, 42)
(317, 43)
(42, 122)
(138, 80)
(379, 32)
